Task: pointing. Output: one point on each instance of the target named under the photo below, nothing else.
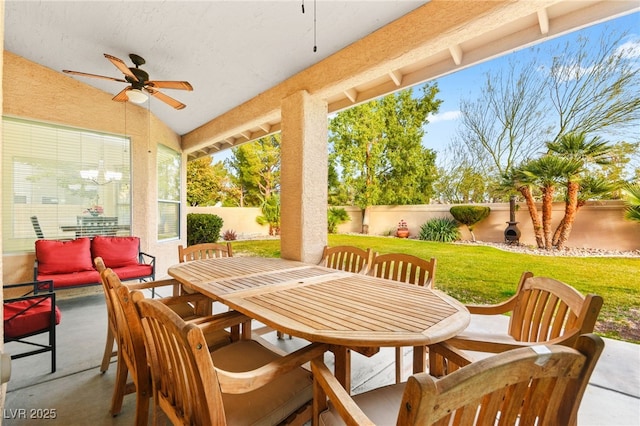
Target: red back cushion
(62, 257)
(116, 251)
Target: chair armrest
(330, 387)
(451, 353)
(498, 346)
(35, 269)
(185, 298)
(35, 286)
(220, 321)
(152, 284)
(232, 382)
(496, 309)
(147, 258)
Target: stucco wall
(34, 92)
(598, 224)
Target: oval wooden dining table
(343, 309)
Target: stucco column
(303, 177)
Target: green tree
(460, 182)
(584, 86)
(271, 214)
(377, 147)
(620, 166)
(207, 183)
(256, 170)
(632, 198)
(576, 146)
(470, 216)
(547, 172)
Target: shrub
(336, 216)
(469, 216)
(442, 229)
(229, 235)
(203, 228)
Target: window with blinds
(59, 179)
(169, 165)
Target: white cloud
(444, 116)
(630, 49)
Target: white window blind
(169, 165)
(59, 175)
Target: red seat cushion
(72, 279)
(32, 320)
(133, 271)
(61, 257)
(116, 251)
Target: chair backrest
(185, 382)
(36, 227)
(405, 268)
(204, 251)
(111, 313)
(128, 330)
(540, 385)
(346, 258)
(546, 309)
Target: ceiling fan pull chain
(315, 45)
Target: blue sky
(464, 84)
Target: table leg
(342, 369)
(419, 359)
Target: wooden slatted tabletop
(325, 305)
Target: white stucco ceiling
(233, 51)
(229, 51)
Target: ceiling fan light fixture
(137, 96)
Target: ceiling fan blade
(166, 99)
(122, 95)
(121, 66)
(84, 74)
(179, 85)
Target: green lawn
(478, 274)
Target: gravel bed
(568, 251)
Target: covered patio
(430, 40)
(414, 44)
(82, 395)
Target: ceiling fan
(140, 83)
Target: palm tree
(271, 214)
(632, 198)
(591, 188)
(576, 147)
(547, 172)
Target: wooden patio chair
(241, 383)
(127, 331)
(204, 251)
(30, 312)
(543, 311)
(346, 258)
(198, 252)
(405, 268)
(408, 269)
(541, 385)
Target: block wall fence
(598, 225)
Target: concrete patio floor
(81, 395)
